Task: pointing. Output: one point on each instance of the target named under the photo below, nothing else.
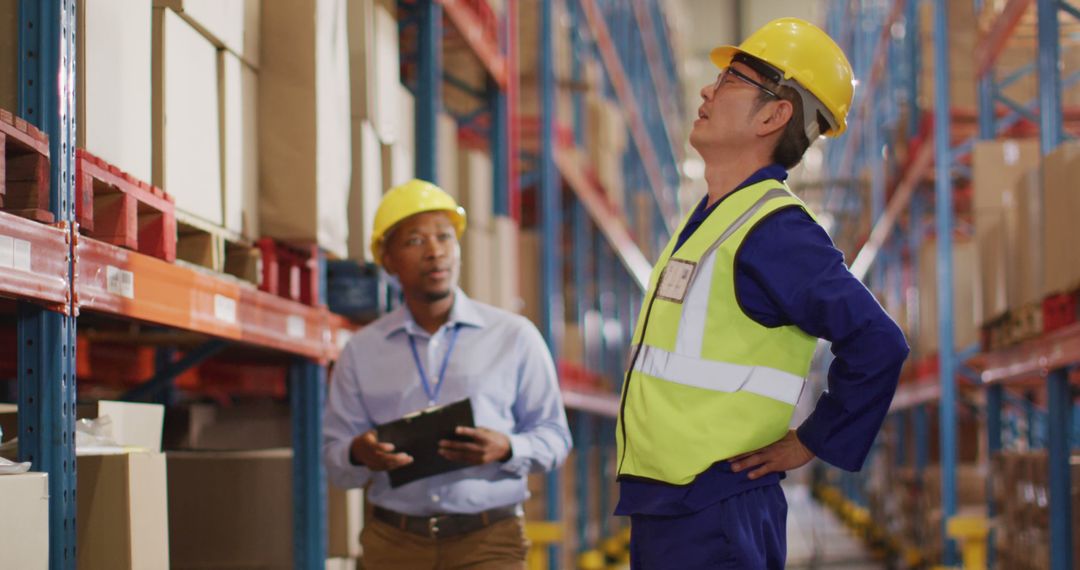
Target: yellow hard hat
(804, 53)
(408, 199)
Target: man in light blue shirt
(438, 348)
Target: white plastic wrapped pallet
(113, 98)
(239, 99)
(231, 25)
(375, 67)
(186, 120)
(366, 189)
(304, 128)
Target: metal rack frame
(996, 115)
(65, 275)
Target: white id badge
(675, 280)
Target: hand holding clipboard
(419, 435)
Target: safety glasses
(731, 71)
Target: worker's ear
(773, 117)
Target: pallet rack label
(120, 282)
(225, 309)
(294, 327)
(14, 253)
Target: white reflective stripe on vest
(719, 376)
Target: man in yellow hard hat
(438, 348)
(729, 326)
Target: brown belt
(444, 526)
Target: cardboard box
(186, 117)
(476, 187)
(342, 564)
(447, 154)
(113, 83)
(366, 188)
(1061, 232)
(965, 329)
(232, 25)
(345, 513)
(399, 158)
(504, 275)
(231, 509)
(259, 424)
(529, 274)
(305, 145)
(1024, 232)
(9, 55)
(997, 167)
(122, 520)
(477, 264)
(239, 100)
(375, 67)
(24, 528)
(133, 425)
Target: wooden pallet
(290, 271)
(217, 249)
(995, 333)
(24, 169)
(115, 207)
(1025, 323)
(1060, 311)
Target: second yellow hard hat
(409, 199)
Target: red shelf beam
(1034, 358)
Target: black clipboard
(419, 433)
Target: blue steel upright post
(428, 88)
(943, 212)
(307, 391)
(46, 352)
(550, 224)
(1059, 399)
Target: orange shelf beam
(606, 216)
(34, 261)
(124, 283)
(1034, 358)
(483, 40)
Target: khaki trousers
(501, 546)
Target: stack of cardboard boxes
(1024, 230)
(1021, 496)
(122, 510)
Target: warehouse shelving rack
(1046, 361)
(604, 263)
(63, 274)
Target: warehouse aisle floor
(817, 539)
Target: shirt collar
(464, 312)
(770, 172)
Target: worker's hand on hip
(487, 445)
(375, 455)
(787, 454)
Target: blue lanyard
(433, 394)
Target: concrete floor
(817, 539)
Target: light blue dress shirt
(499, 362)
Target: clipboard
(419, 433)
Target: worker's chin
(435, 295)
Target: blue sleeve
(541, 439)
(789, 273)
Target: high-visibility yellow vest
(707, 382)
